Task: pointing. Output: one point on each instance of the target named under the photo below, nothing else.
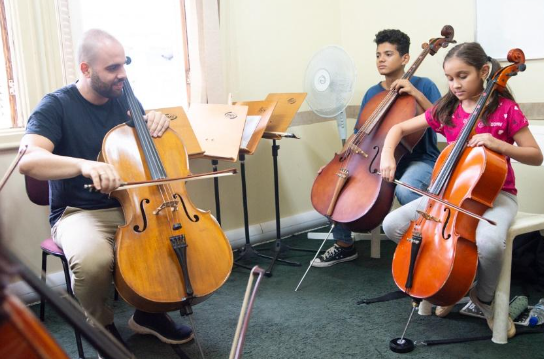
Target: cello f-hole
(194, 218)
(446, 209)
(144, 217)
(377, 150)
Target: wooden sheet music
(219, 129)
(284, 113)
(261, 111)
(180, 123)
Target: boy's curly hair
(395, 37)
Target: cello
(437, 258)
(347, 190)
(169, 254)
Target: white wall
(269, 43)
(267, 46)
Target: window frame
(4, 32)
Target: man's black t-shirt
(77, 128)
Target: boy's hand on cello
(404, 86)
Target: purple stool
(50, 248)
(38, 193)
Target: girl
(502, 123)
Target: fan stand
(341, 122)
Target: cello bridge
(168, 204)
(428, 217)
(357, 150)
(343, 173)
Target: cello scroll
(437, 43)
(517, 57)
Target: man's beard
(103, 89)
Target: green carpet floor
(321, 320)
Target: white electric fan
(329, 81)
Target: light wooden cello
(169, 254)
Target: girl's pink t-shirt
(502, 124)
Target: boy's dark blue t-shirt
(426, 149)
(77, 128)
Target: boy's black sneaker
(335, 254)
(161, 326)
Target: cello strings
(380, 110)
(153, 159)
(459, 145)
(154, 162)
(390, 96)
(377, 113)
(376, 116)
(361, 133)
(373, 117)
(166, 191)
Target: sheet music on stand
(219, 129)
(284, 113)
(287, 106)
(279, 118)
(258, 117)
(180, 123)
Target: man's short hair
(395, 37)
(89, 44)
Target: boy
(415, 169)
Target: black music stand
(288, 105)
(248, 251)
(279, 246)
(216, 192)
(260, 111)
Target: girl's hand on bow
(388, 165)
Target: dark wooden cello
(347, 190)
(437, 257)
(169, 254)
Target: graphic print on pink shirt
(501, 124)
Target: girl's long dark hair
(474, 55)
